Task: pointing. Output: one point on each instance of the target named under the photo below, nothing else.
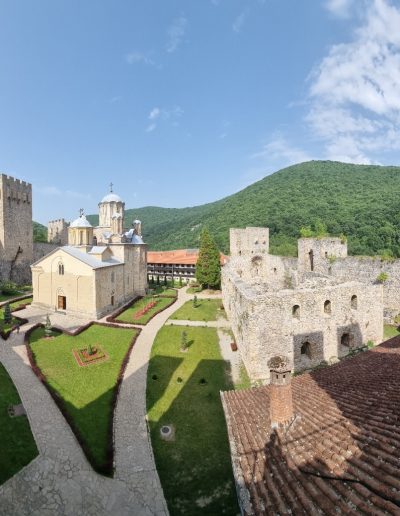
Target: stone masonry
(16, 234)
(57, 232)
(297, 308)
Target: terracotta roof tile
(341, 455)
(177, 257)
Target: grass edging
(108, 467)
(114, 320)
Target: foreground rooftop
(340, 455)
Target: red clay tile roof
(341, 455)
(179, 256)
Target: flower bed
(144, 310)
(83, 357)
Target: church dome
(111, 197)
(81, 222)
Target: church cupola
(80, 232)
(112, 206)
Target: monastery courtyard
(60, 480)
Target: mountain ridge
(360, 201)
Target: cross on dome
(111, 187)
(81, 212)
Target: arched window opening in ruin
(306, 349)
(354, 302)
(345, 340)
(94, 240)
(311, 257)
(327, 307)
(296, 311)
(61, 269)
(275, 270)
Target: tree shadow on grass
(200, 448)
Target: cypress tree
(208, 267)
(7, 314)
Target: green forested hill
(361, 201)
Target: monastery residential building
(180, 263)
(100, 269)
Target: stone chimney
(281, 403)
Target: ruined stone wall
(57, 232)
(367, 270)
(318, 254)
(249, 241)
(266, 324)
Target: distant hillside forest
(39, 232)
(359, 201)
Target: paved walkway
(60, 481)
(134, 461)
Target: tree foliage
(7, 314)
(208, 267)
(360, 201)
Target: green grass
(128, 315)
(206, 310)
(163, 290)
(390, 331)
(86, 391)
(195, 469)
(17, 446)
(244, 380)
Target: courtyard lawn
(183, 390)
(17, 446)
(86, 392)
(206, 310)
(390, 331)
(6, 328)
(129, 315)
(162, 290)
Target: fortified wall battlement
(313, 309)
(57, 231)
(16, 233)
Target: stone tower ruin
(16, 233)
(57, 232)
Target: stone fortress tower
(57, 232)
(16, 233)
(296, 307)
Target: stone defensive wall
(367, 270)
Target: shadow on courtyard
(195, 464)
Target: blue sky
(182, 102)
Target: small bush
(382, 277)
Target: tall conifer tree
(208, 267)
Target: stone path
(134, 461)
(60, 481)
(220, 323)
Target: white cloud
(278, 149)
(154, 113)
(176, 33)
(239, 21)
(355, 90)
(339, 8)
(139, 57)
(157, 115)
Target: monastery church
(100, 269)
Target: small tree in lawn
(184, 341)
(7, 314)
(195, 305)
(208, 267)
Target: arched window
(113, 277)
(354, 302)
(61, 269)
(296, 311)
(327, 307)
(306, 349)
(80, 237)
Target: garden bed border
(113, 318)
(108, 467)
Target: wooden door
(62, 302)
